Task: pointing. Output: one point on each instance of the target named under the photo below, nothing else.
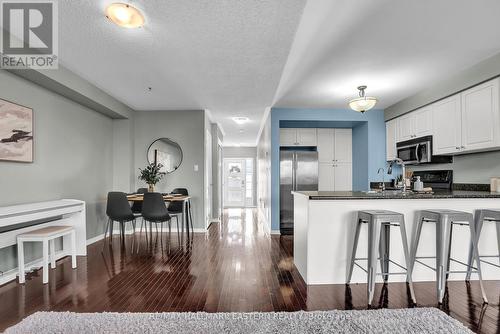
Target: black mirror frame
(180, 148)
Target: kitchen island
(324, 230)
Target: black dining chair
(118, 210)
(175, 208)
(155, 211)
(137, 205)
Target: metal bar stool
(379, 224)
(444, 220)
(481, 216)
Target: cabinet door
(343, 176)
(423, 121)
(406, 127)
(446, 120)
(326, 139)
(390, 133)
(343, 145)
(480, 117)
(326, 177)
(288, 137)
(307, 137)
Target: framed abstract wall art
(16, 132)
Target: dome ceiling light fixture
(363, 102)
(125, 15)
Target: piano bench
(45, 235)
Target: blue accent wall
(368, 131)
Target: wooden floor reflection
(234, 267)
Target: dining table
(187, 216)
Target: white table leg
(20, 260)
(45, 261)
(52, 251)
(73, 249)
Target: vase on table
(151, 188)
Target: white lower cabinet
(335, 177)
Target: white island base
(324, 230)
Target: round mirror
(166, 152)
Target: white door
(326, 138)
(288, 137)
(234, 182)
(480, 117)
(406, 127)
(208, 178)
(326, 177)
(447, 126)
(343, 145)
(423, 121)
(390, 129)
(342, 176)
(306, 137)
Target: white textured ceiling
(237, 57)
(395, 47)
(226, 56)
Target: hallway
(236, 267)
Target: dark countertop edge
(443, 195)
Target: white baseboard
(128, 232)
(35, 264)
(275, 232)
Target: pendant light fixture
(363, 102)
(125, 15)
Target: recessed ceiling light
(125, 15)
(240, 120)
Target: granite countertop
(356, 195)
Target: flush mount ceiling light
(125, 15)
(240, 120)
(362, 103)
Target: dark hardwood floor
(231, 268)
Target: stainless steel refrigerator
(298, 172)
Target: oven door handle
(416, 152)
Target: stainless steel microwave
(419, 151)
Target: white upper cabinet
(298, 137)
(326, 138)
(288, 137)
(406, 127)
(423, 122)
(391, 136)
(307, 137)
(447, 126)
(418, 123)
(480, 117)
(343, 145)
(462, 123)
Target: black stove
(437, 179)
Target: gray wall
(244, 152)
(186, 127)
(73, 157)
(216, 205)
(264, 173)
